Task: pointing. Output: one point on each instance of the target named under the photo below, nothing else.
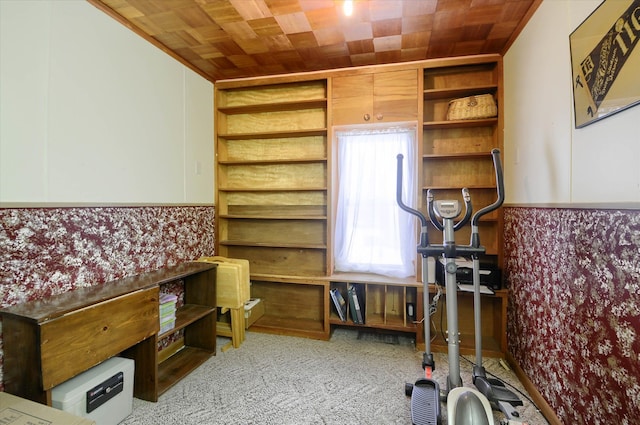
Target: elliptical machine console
(465, 406)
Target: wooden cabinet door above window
(390, 96)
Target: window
(373, 234)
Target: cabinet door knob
(366, 117)
(379, 117)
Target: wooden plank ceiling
(230, 39)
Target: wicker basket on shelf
(472, 108)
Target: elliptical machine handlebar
(474, 246)
(497, 165)
(424, 241)
(424, 237)
(467, 209)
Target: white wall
(92, 113)
(547, 160)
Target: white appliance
(103, 393)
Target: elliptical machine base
(469, 407)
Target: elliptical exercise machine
(465, 406)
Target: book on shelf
(339, 303)
(354, 304)
(167, 308)
(167, 323)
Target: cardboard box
(253, 310)
(19, 411)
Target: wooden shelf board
(272, 189)
(378, 323)
(500, 293)
(371, 278)
(291, 326)
(349, 322)
(272, 217)
(467, 155)
(490, 346)
(470, 187)
(392, 325)
(460, 123)
(303, 280)
(186, 315)
(272, 161)
(274, 107)
(273, 245)
(274, 134)
(430, 94)
(179, 365)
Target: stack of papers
(167, 312)
(484, 289)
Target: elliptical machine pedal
(425, 402)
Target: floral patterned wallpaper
(574, 278)
(48, 251)
(574, 309)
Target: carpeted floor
(355, 378)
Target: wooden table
(47, 342)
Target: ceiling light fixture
(347, 7)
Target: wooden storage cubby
(383, 301)
(456, 154)
(494, 322)
(195, 324)
(293, 306)
(271, 176)
(271, 193)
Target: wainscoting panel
(574, 309)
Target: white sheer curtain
(373, 234)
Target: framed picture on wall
(605, 62)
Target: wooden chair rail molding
(582, 206)
(49, 341)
